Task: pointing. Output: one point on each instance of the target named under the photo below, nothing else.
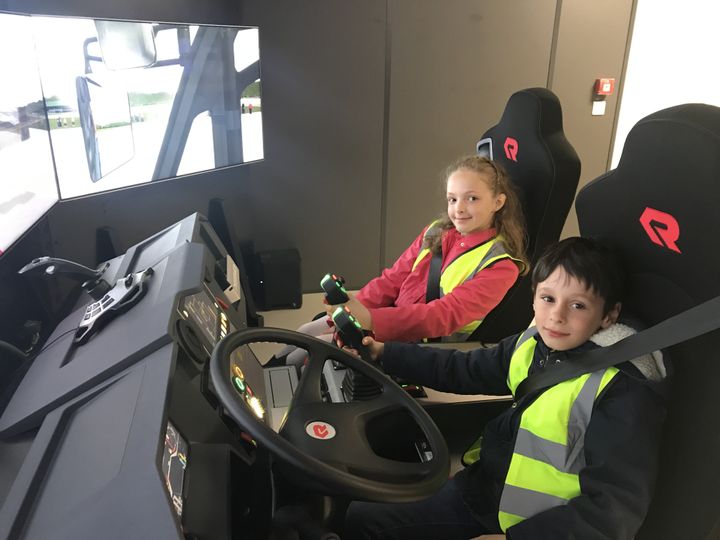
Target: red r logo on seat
(511, 148)
(662, 228)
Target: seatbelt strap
(686, 325)
(433, 284)
(432, 292)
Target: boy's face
(567, 313)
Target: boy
(577, 460)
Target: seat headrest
(659, 208)
(530, 143)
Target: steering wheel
(328, 441)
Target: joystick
(125, 294)
(351, 331)
(109, 300)
(93, 281)
(334, 289)
(355, 386)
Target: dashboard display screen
(174, 463)
(204, 312)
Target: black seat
(659, 207)
(530, 143)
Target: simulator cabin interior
(184, 184)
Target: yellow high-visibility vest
(549, 448)
(466, 267)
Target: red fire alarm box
(604, 87)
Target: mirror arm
(89, 57)
(168, 62)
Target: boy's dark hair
(589, 261)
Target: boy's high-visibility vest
(549, 447)
(465, 267)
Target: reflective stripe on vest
(549, 450)
(464, 268)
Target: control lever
(334, 289)
(355, 385)
(93, 282)
(125, 294)
(109, 300)
(351, 332)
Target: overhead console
(115, 432)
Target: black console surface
(120, 436)
(183, 262)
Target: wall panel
(592, 40)
(453, 66)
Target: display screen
(204, 312)
(135, 102)
(27, 182)
(93, 105)
(174, 463)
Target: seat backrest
(530, 143)
(659, 208)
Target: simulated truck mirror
(126, 45)
(106, 124)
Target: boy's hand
(358, 311)
(375, 348)
(490, 537)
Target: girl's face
(471, 203)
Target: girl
(479, 243)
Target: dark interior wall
(592, 40)
(453, 66)
(320, 185)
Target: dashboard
(122, 436)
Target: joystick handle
(334, 289)
(50, 266)
(351, 331)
